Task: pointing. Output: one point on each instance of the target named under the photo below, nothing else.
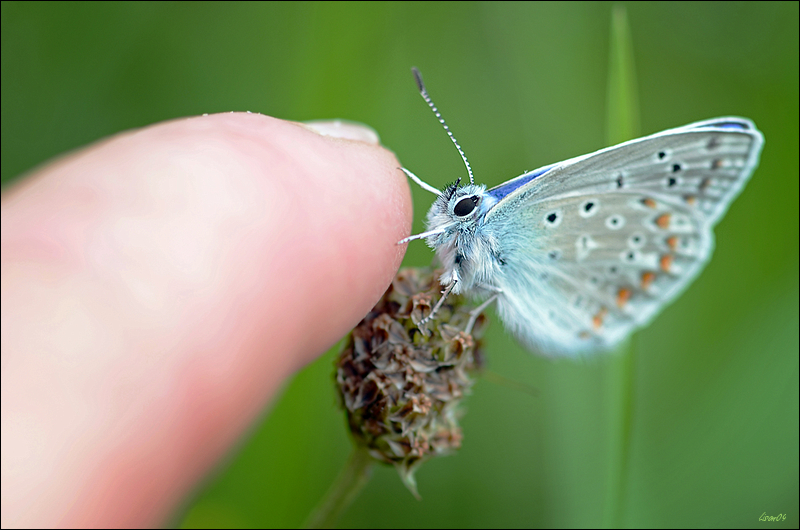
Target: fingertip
(368, 209)
(342, 205)
(326, 211)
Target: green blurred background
(713, 397)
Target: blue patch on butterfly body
(498, 192)
(726, 125)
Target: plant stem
(345, 488)
(622, 114)
(620, 396)
(623, 125)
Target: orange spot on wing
(663, 221)
(623, 295)
(666, 262)
(672, 242)
(647, 279)
(650, 203)
(597, 320)
(690, 200)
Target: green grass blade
(622, 125)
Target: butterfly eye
(465, 206)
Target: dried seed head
(401, 387)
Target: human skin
(157, 289)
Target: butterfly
(581, 253)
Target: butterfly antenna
(429, 101)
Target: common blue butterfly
(580, 253)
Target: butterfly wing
(594, 247)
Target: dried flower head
(401, 387)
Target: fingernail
(349, 130)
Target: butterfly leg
(438, 304)
(473, 315)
